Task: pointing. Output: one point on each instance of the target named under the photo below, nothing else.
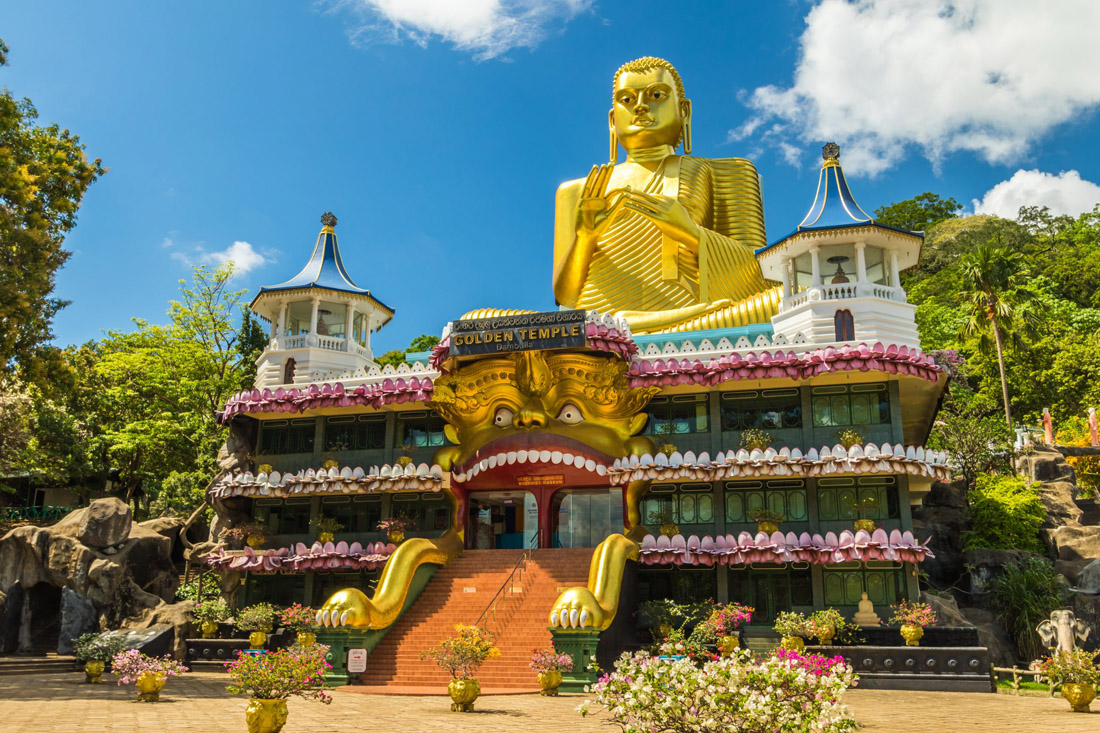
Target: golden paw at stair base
(595, 606)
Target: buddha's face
(645, 110)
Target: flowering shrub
(792, 623)
(548, 660)
(754, 439)
(1075, 667)
(763, 514)
(259, 617)
(214, 610)
(396, 523)
(299, 618)
(244, 531)
(461, 655)
(849, 437)
(785, 692)
(295, 671)
(726, 618)
(917, 614)
(326, 524)
(97, 647)
(131, 664)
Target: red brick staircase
(458, 593)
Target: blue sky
(438, 130)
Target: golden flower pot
(396, 536)
(463, 693)
(257, 639)
(1079, 695)
(93, 671)
(404, 461)
(549, 682)
(149, 685)
(306, 638)
(670, 530)
(767, 527)
(825, 635)
(255, 541)
(912, 634)
(664, 630)
(793, 643)
(867, 525)
(265, 716)
(209, 629)
(728, 645)
(325, 537)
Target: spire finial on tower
(830, 151)
(328, 219)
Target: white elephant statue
(1062, 631)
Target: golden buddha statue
(665, 241)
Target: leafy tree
(918, 213)
(253, 341)
(1006, 514)
(44, 174)
(997, 301)
(395, 358)
(977, 441)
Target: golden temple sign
(519, 332)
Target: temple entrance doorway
(502, 520)
(585, 517)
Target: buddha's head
(648, 106)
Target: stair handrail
(521, 566)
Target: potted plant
(258, 620)
(264, 468)
(462, 655)
(209, 614)
(303, 620)
(863, 509)
(549, 665)
(269, 679)
(912, 617)
(95, 650)
(666, 520)
(755, 439)
(150, 674)
(726, 619)
(794, 627)
(252, 533)
(407, 451)
(1078, 675)
(665, 429)
(849, 437)
(326, 527)
(395, 528)
(825, 623)
(330, 464)
(766, 520)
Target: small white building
(321, 321)
(840, 270)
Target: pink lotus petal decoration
(747, 549)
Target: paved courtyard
(53, 703)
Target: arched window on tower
(845, 325)
(288, 371)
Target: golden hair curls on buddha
(666, 241)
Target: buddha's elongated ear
(685, 114)
(613, 158)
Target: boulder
(175, 617)
(1071, 569)
(945, 526)
(9, 621)
(946, 609)
(1002, 650)
(1086, 607)
(78, 617)
(102, 524)
(1074, 542)
(985, 565)
(155, 641)
(1088, 580)
(1043, 463)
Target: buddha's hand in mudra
(597, 208)
(667, 214)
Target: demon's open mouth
(531, 455)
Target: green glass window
(358, 514)
(367, 432)
(682, 585)
(838, 499)
(286, 436)
(771, 590)
(686, 504)
(844, 585)
(283, 516)
(677, 415)
(430, 512)
(784, 496)
(856, 404)
(422, 429)
(769, 409)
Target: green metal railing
(34, 513)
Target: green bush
(1023, 596)
(1006, 514)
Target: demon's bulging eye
(570, 414)
(503, 417)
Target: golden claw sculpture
(595, 606)
(350, 607)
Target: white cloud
(1065, 193)
(986, 76)
(243, 255)
(488, 28)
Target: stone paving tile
(56, 703)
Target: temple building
(757, 438)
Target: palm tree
(998, 302)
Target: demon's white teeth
(589, 465)
(555, 457)
(511, 457)
(601, 469)
(544, 456)
(490, 462)
(521, 456)
(484, 464)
